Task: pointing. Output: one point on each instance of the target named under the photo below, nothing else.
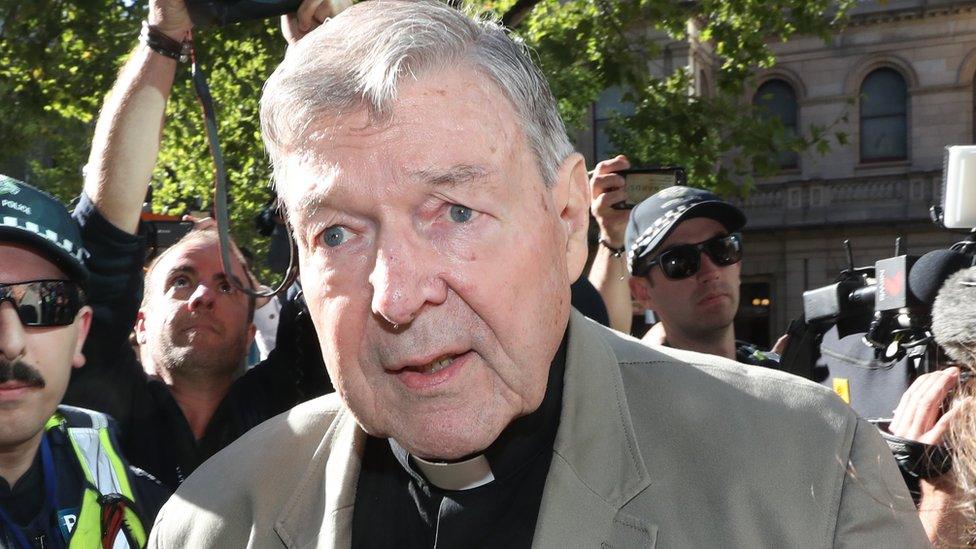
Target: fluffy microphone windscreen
(931, 271)
(954, 317)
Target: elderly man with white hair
(441, 216)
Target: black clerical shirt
(396, 506)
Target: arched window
(884, 120)
(776, 99)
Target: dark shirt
(24, 501)
(155, 434)
(396, 506)
(587, 300)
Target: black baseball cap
(34, 218)
(652, 220)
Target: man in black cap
(682, 249)
(62, 479)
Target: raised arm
(123, 153)
(608, 274)
(130, 126)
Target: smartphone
(641, 183)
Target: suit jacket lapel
(596, 466)
(319, 513)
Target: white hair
(357, 59)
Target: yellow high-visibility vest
(108, 495)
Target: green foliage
(239, 59)
(59, 58)
(587, 46)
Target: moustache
(19, 370)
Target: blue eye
(335, 235)
(460, 214)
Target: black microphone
(931, 271)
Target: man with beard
(61, 473)
(188, 397)
(441, 216)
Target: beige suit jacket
(655, 448)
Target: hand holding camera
(608, 188)
(310, 14)
(170, 17)
(919, 415)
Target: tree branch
(517, 13)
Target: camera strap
(220, 191)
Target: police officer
(682, 250)
(63, 482)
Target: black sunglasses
(684, 260)
(44, 302)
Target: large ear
(82, 324)
(640, 288)
(140, 327)
(572, 196)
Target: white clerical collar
(462, 475)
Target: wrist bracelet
(158, 42)
(616, 252)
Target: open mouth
(433, 366)
(432, 373)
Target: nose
(13, 340)
(202, 298)
(708, 270)
(405, 278)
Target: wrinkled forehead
(198, 256)
(457, 123)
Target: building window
(776, 99)
(884, 120)
(610, 102)
(752, 320)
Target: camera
(224, 12)
(868, 334)
(641, 183)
